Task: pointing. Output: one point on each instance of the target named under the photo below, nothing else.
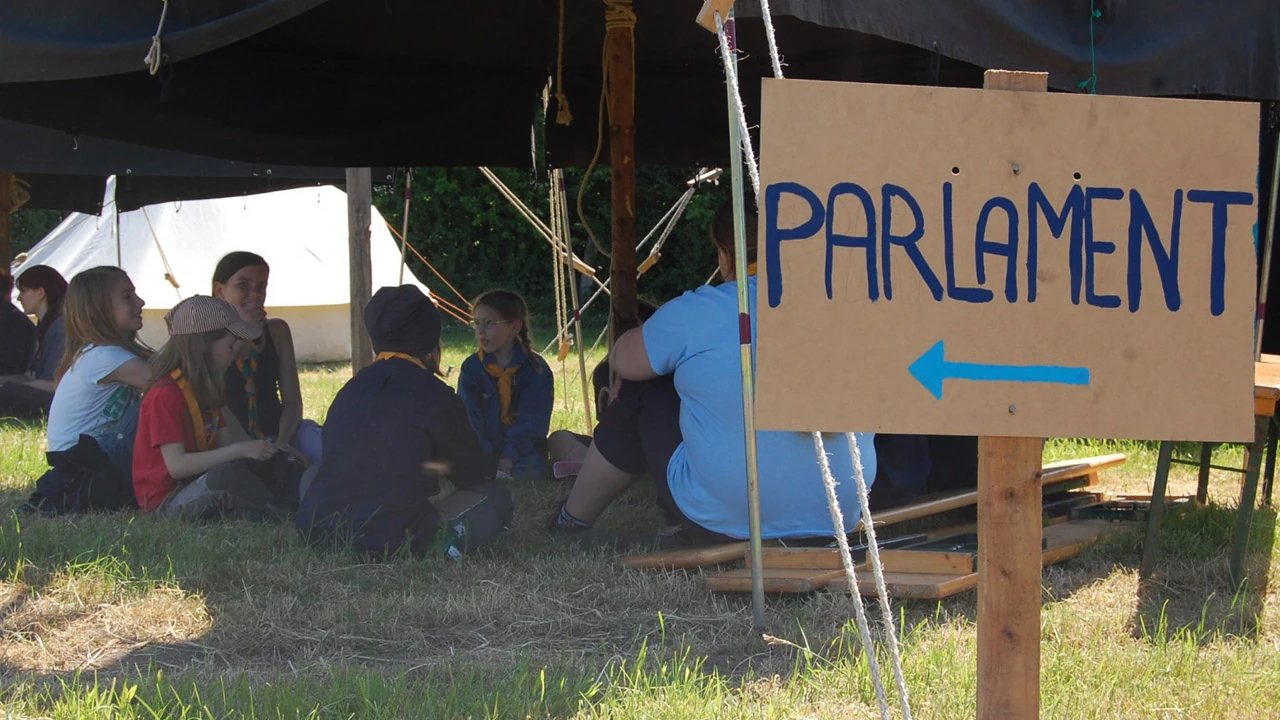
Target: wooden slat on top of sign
(877, 312)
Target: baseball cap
(204, 313)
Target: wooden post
(1009, 536)
(359, 217)
(6, 199)
(619, 44)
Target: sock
(569, 522)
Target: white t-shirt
(82, 406)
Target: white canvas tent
(170, 251)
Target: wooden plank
(359, 216)
(1008, 577)
(931, 563)
(776, 580)
(707, 15)
(687, 557)
(1051, 474)
(807, 558)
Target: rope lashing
(155, 56)
(563, 116)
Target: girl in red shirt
(189, 459)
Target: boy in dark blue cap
(391, 432)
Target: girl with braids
(262, 384)
(508, 388)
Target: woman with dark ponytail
(41, 292)
(508, 388)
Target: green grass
(123, 616)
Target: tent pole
(620, 81)
(1267, 247)
(404, 229)
(6, 207)
(359, 215)
(744, 337)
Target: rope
(563, 116)
(828, 481)
(430, 267)
(1091, 83)
(531, 217)
(846, 559)
(773, 41)
(168, 271)
(155, 55)
(877, 569)
(731, 76)
(666, 223)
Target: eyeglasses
(486, 325)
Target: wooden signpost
(1009, 265)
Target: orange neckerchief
(504, 376)
(751, 269)
(203, 441)
(402, 356)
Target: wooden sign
(972, 262)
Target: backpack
(81, 479)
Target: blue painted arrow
(931, 368)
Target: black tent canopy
(67, 172)
(407, 82)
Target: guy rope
(741, 139)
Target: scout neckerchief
(402, 356)
(203, 440)
(248, 367)
(504, 376)
(751, 270)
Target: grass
(122, 616)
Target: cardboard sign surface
(982, 262)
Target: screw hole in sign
(955, 171)
(1076, 176)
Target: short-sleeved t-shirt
(84, 406)
(163, 419)
(695, 336)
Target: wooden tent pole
(620, 78)
(6, 206)
(1009, 533)
(359, 217)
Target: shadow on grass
(1191, 592)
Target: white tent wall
(170, 251)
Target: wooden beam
(6, 198)
(707, 15)
(1009, 535)
(359, 217)
(619, 44)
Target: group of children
(211, 425)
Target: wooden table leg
(1151, 545)
(1268, 478)
(1202, 487)
(1248, 499)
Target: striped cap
(204, 313)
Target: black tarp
(68, 172)
(418, 82)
